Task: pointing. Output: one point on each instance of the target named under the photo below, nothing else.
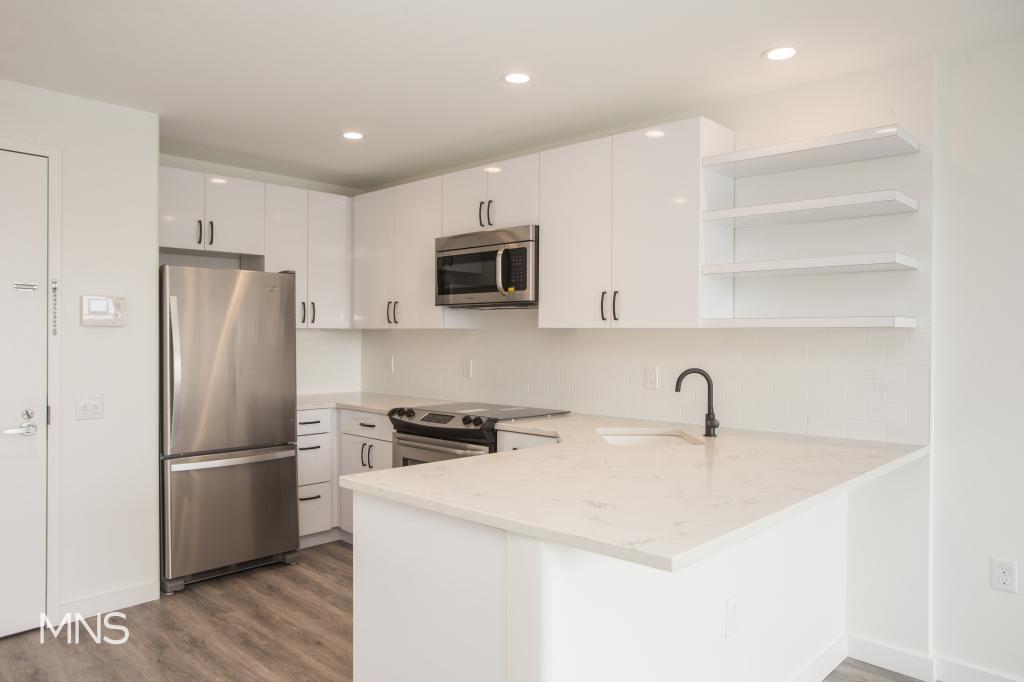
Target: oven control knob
(477, 421)
(400, 412)
(467, 420)
(410, 412)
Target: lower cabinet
(314, 508)
(357, 454)
(315, 460)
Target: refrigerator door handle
(172, 302)
(234, 461)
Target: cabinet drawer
(314, 508)
(314, 421)
(315, 454)
(366, 424)
(511, 440)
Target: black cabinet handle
(604, 295)
(308, 423)
(389, 312)
(307, 499)
(312, 320)
(303, 312)
(362, 455)
(311, 447)
(489, 202)
(480, 213)
(211, 233)
(615, 310)
(369, 456)
(367, 426)
(200, 239)
(395, 313)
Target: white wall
(328, 361)
(108, 522)
(979, 370)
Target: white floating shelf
(825, 208)
(859, 145)
(805, 322)
(874, 262)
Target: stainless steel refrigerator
(228, 458)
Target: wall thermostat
(102, 311)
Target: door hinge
(53, 321)
(47, 415)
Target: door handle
(480, 214)
(394, 314)
(312, 319)
(497, 271)
(369, 456)
(307, 499)
(389, 312)
(211, 233)
(604, 295)
(615, 310)
(303, 313)
(175, 361)
(200, 239)
(362, 455)
(311, 447)
(489, 202)
(26, 429)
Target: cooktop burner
(490, 411)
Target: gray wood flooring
(272, 623)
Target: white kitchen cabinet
(576, 235)
(315, 458)
(205, 212)
(329, 261)
(499, 194)
(510, 440)
(286, 241)
(373, 259)
(315, 508)
(417, 223)
(358, 454)
(656, 204)
(235, 215)
(182, 209)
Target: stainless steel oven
(408, 449)
(487, 269)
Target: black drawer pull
(307, 499)
(311, 447)
(367, 426)
(308, 423)
(369, 456)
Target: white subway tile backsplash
(852, 383)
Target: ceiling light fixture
(777, 54)
(352, 135)
(517, 78)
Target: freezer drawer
(228, 508)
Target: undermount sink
(615, 436)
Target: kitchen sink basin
(656, 437)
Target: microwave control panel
(517, 270)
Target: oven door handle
(457, 452)
(497, 270)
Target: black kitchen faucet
(710, 423)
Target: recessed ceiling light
(218, 181)
(655, 133)
(492, 169)
(517, 78)
(777, 54)
(352, 135)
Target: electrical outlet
(89, 407)
(467, 368)
(651, 377)
(732, 619)
(389, 364)
(1004, 575)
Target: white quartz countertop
(665, 506)
(379, 403)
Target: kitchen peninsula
(625, 550)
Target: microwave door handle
(497, 271)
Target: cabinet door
(378, 455)
(287, 216)
(235, 215)
(656, 226)
(351, 458)
(417, 224)
(576, 235)
(512, 188)
(330, 261)
(373, 259)
(182, 209)
(465, 195)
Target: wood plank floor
(272, 623)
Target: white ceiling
(269, 84)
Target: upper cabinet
(501, 194)
(287, 218)
(207, 212)
(373, 259)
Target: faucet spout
(710, 423)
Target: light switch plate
(467, 368)
(89, 407)
(651, 377)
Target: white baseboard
(914, 664)
(949, 670)
(323, 537)
(820, 667)
(113, 601)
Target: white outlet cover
(467, 368)
(1004, 575)
(89, 407)
(651, 377)
(389, 364)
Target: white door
(235, 215)
(512, 187)
(656, 226)
(465, 196)
(330, 261)
(373, 259)
(182, 209)
(23, 294)
(417, 224)
(287, 218)
(576, 235)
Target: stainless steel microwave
(487, 269)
